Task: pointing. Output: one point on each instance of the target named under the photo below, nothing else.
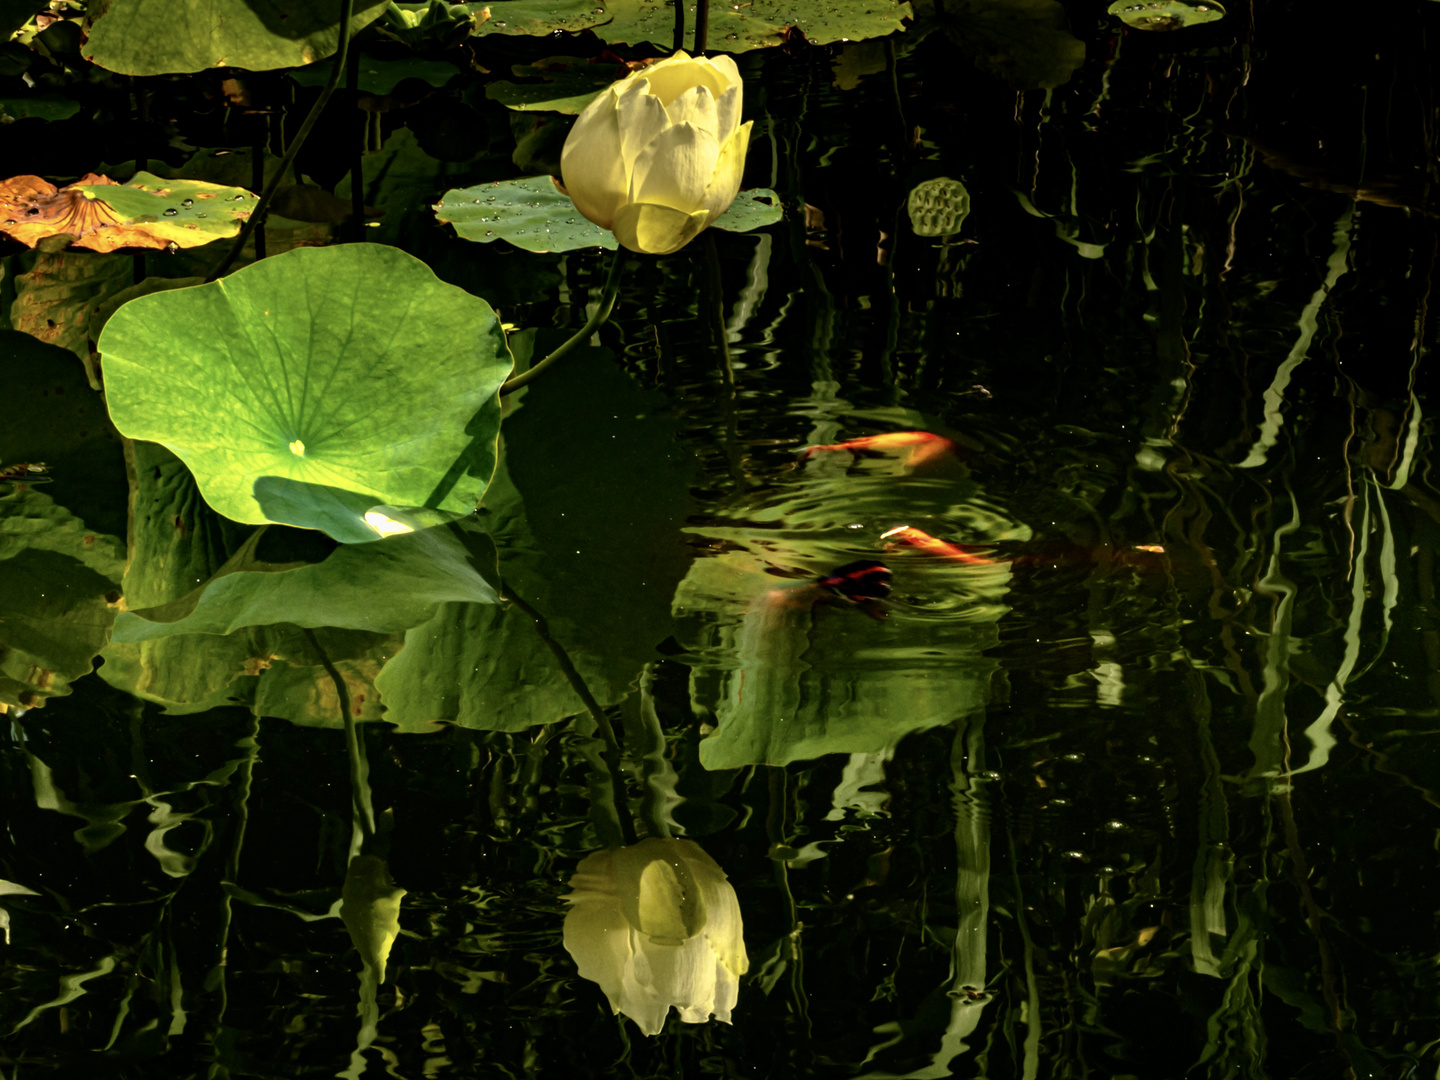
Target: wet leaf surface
(281, 370)
(102, 215)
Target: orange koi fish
(923, 541)
(917, 446)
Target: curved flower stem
(362, 808)
(597, 320)
(611, 755)
(347, 11)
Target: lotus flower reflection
(657, 924)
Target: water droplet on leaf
(170, 211)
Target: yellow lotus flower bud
(658, 157)
(657, 924)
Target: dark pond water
(1134, 773)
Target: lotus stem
(611, 756)
(347, 11)
(702, 24)
(679, 40)
(597, 320)
(361, 807)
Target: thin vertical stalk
(257, 216)
(357, 161)
(702, 24)
(679, 39)
(612, 753)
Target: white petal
(657, 230)
(672, 76)
(723, 927)
(727, 69)
(729, 170)
(592, 163)
(727, 113)
(676, 168)
(597, 936)
(683, 975)
(696, 106)
(640, 119)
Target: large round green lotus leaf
(1166, 14)
(534, 215)
(346, 367)
(159, 37)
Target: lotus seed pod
(938, 207)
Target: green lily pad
(539, 18)
(753, 209)
(567, 84)
(759, 25)
(534, 215)
(183, 212)
(350, 368)
(381, 76)
(378, 587)
(588, 532)
(530, 213)
(1166, 14)
(39, 106)
(160, 37)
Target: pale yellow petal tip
(384, 525)
(297, 448)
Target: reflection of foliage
(587, 530)
(1024, 42)
(57, 601)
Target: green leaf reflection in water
(382, 587)
(236, 638)
(58, 585)
(586, 513)
(350, 368)
(794, 673)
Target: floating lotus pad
(1166, 14)
(350, 368)
(733, 28)
(160, 37)
(534, 215)
(102, 215)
